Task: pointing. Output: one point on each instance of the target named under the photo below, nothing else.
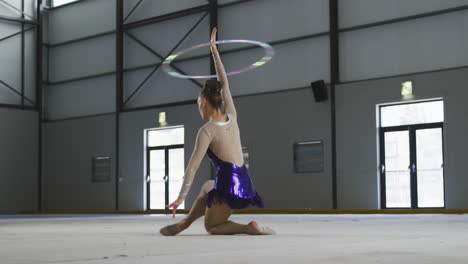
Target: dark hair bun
(212, 92)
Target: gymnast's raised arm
(222, 77)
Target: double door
(412, 166)
(165, 171)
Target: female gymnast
(219, 138)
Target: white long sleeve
(201, 145)
(222, 77)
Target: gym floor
(300, 239)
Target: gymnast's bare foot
(254, 229)
(172, 230)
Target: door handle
(412, 168)
(165, 178)
(382, 168)
(148, 178)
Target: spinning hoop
(269, 52)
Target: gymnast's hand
(213, 40)
(174, 206)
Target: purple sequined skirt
(233, 185)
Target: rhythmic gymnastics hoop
(269, 53)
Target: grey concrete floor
(301, 239)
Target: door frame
(413, 160)
(166, 172)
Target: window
(411, 114)
(62, 2)
(165, 136)
(101, 169)
(308, 156)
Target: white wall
(81, 19)
(357, 138)
(149, 9)
(426, 44)
(69, 148)
(18, 161)
(19, 129)
(10, 57)
(80, 59)
(359, 12)
(295, 64)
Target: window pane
(430, 188)
(176, 174)
(430, 168)
(398, 189)
(157, 182)
(165, 137)
(415, 113)
(62, 2)
(397, 175)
